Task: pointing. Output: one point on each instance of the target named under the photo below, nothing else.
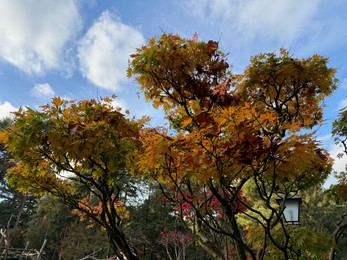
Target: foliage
(67, 145)
(5, 157)
(231, 129)
(48, 222)
(80, 240)
(340, 134)
(322, 214)
(177, 241)
(146, 221)
(66, 236)
(15, 207)
(236, 142)
(311, 239)
(339, 190)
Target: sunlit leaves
(173, 71)
(87, 140)
(232, 128)
(86, 208)
(292, 87)
(230, 122)
(72, 149)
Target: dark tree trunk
(120, 246)
(341, 225)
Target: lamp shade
(292, 208)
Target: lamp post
(292, 208)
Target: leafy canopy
(231, 125)
(74, 150)
(230, 130)
(89, 140)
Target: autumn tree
(230, 130)
(15, 207)
(79, 152)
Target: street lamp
(292, 208)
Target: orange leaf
(186, 121)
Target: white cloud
(283, 20)
(42, 91)
(213, 9)
(34, 33)
(334, 150)
(342, 104)
(6, 108)
(104, 51)
(339, 163)
(120, 104)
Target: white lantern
(292, 208)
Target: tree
(69, 145)
(229, 130)
(15, 207)
(48, 223)
(339, 190)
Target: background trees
(15, 207)
(322, 214)
(231, 131)
(66, 237)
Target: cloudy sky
(79, 49)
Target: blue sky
(79, 49)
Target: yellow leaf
(57, 101)
(3, 137)
(220, 120)
(186, 121)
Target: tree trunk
(240, 247)
(120, 245)
(341, 225)
(20, 211)
(332, 253)
(209, 247)
(205, 243)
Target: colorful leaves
(211, 47)
(230, 129)
(293, 88)
(85, 209)
(173, 71)
(186, 121)
(87, 137)
(57, 101)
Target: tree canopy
(79, 152)
(232, 130)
